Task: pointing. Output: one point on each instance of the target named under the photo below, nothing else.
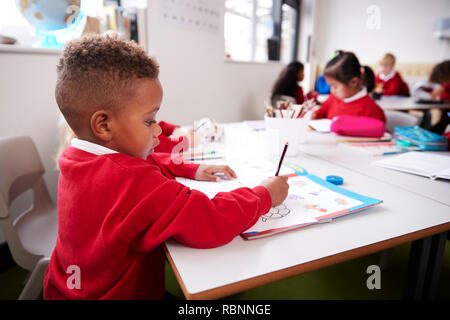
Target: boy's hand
(278, 189)
(207, 173)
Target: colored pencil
(282, 158)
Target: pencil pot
(282, 130)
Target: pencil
(282, 158)
(281, 112)
(300, 111)
(204, 122)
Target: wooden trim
(264, 279)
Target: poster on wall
(198, 15)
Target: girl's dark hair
(368, 78)
(286, 83)
(343, 67)
(441, 73)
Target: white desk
(241, 265)
(408, 103)
(324, 146)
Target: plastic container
(281, 130)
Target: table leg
(438, 242)
(425, 262)
(426, 120)
(417, 268)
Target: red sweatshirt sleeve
(322, 112)
(446, 94)
(169, 209)
(167, 144)
(172, 165)
(167, 128)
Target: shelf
(6, 48)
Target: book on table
(428, 164)
(311, 200)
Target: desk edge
(247, 284)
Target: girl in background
(286, 87)
(348, 94)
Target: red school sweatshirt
(446, 93)
(394, 86)
(114, 213)
(364, 106)
(166, 144)
(300, 98)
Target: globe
(50, 17)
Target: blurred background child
(389, 81)
(348, 94)
(440, 75)
(286, 87)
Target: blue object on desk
(424, 139)
(335, 180)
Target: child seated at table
(348, 94)
(286, 87)
(440, 75)
(117, 200)
(389, 81)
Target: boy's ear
(101, 125)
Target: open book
(428, 164)
(311, 200)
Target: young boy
(118, 202)
(388, 80)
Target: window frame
(277, 16)
(274, 42)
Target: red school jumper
(446, 94)
(114, 213)
(394, 86)
(300, 98)
(364, 106)
(166, 144)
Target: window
(261, 30)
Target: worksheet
(310, 200)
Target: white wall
(405, 30)
(27, 107)
(196, 79)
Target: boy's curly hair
(98, 72)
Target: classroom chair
(397, 118)
(31, 237)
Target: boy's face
(134, 128)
